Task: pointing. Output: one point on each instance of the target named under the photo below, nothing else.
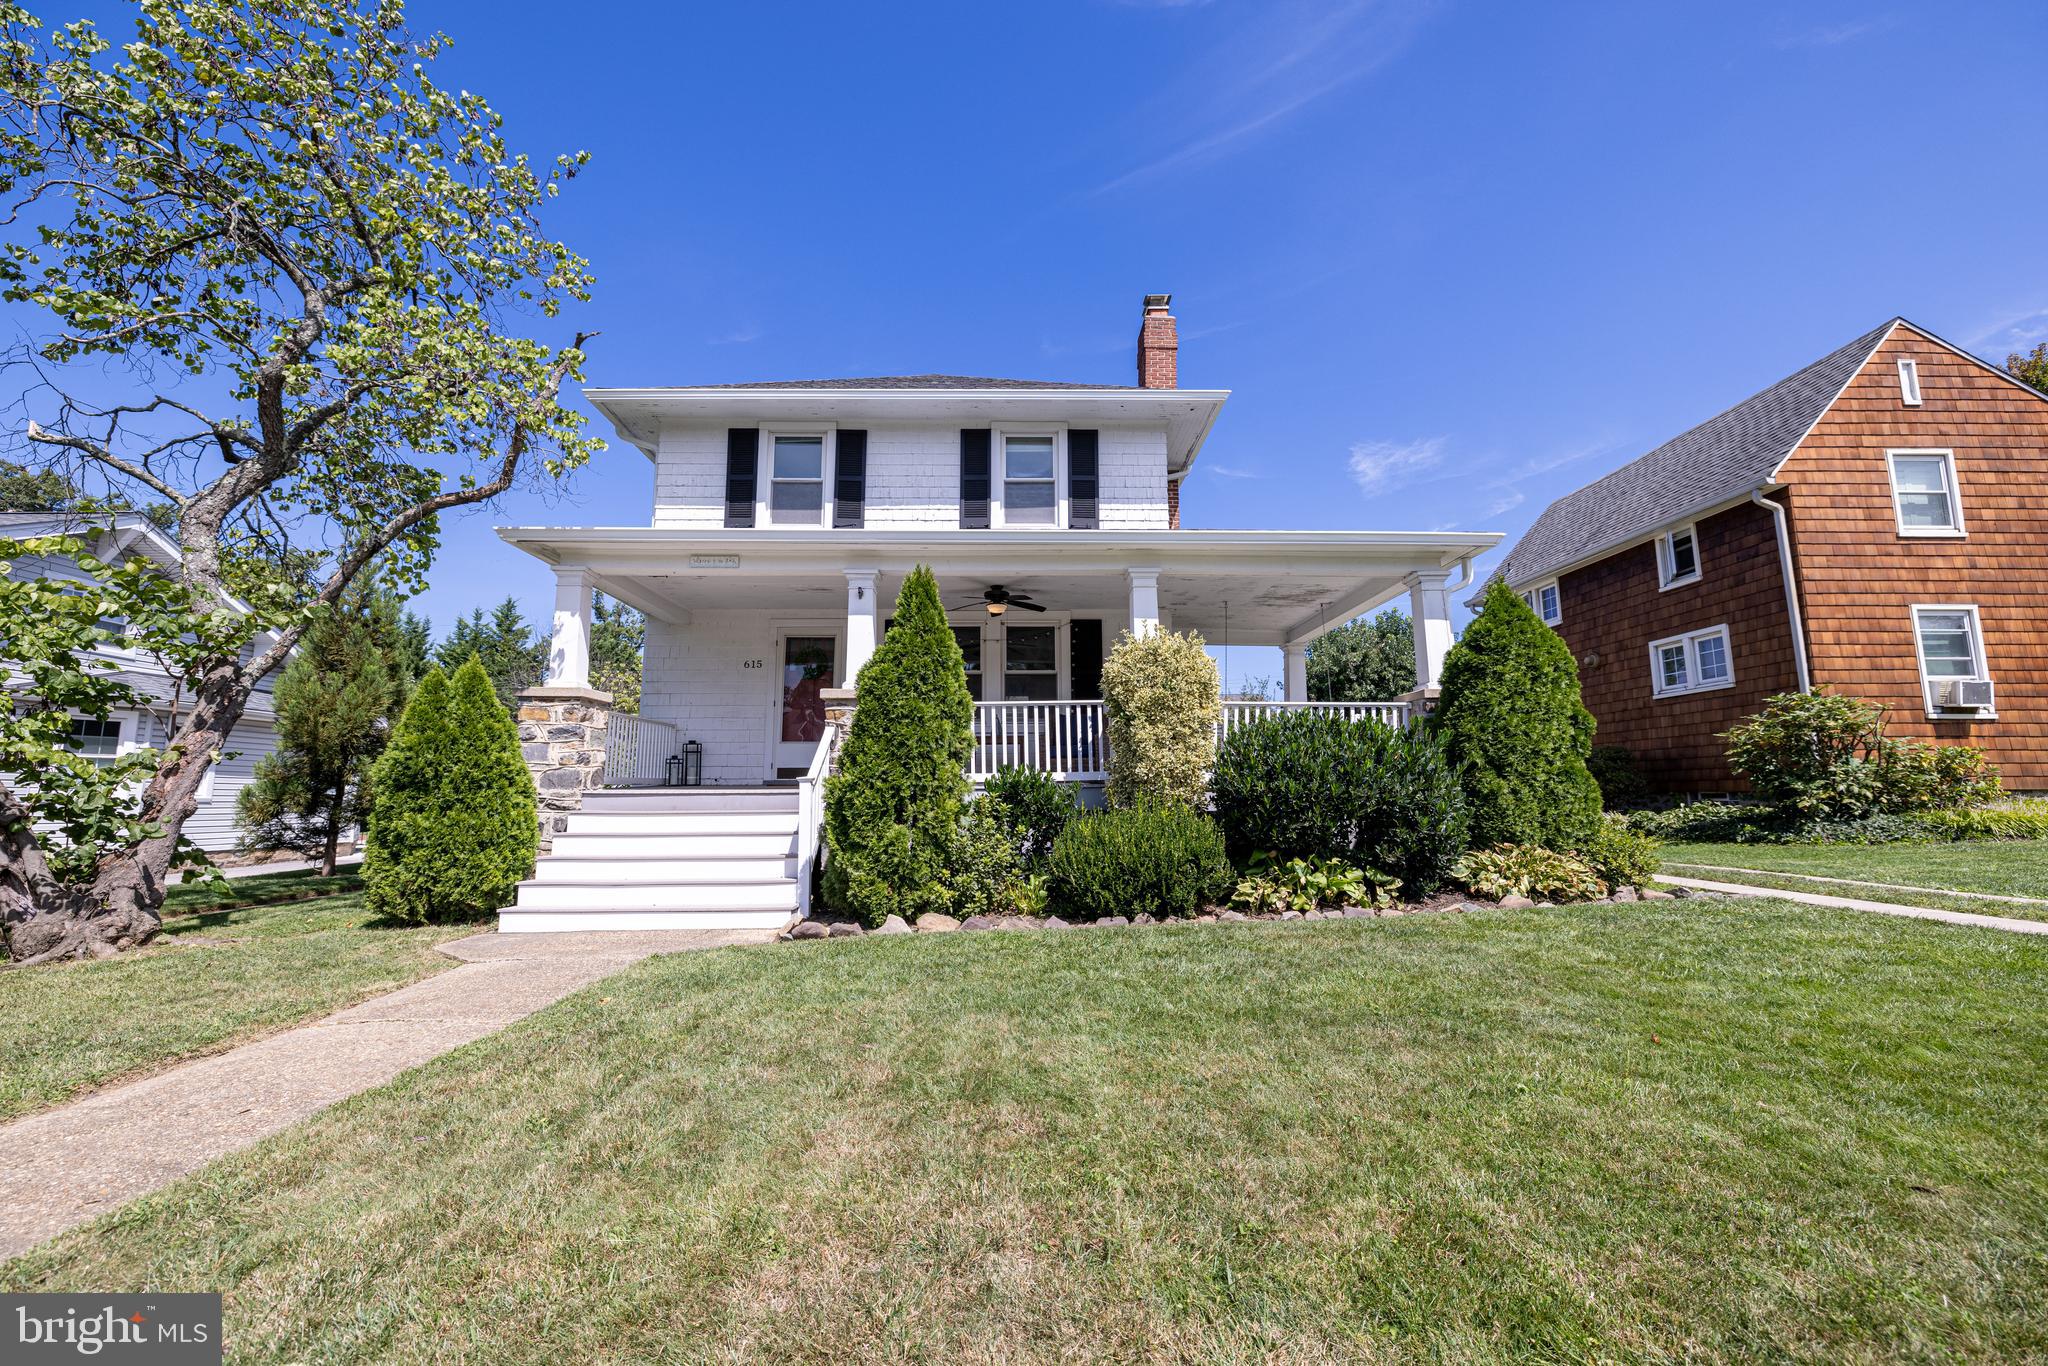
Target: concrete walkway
(1858, 882)
(341, 865)
(1850, 903)
(72, 1164)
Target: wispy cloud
(1230, 471)
(737, 337)
(1282, 60)
(2019, 333)
(1377, 466)
(1834, 35)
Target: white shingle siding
(696, 677)
(212, 826)
(913, 477)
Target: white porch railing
(1070, 740)
(810, 815)
(1236, 714)
(636, 750)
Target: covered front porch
(747, 635)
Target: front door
(810, 664)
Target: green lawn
(1711, 1130)
(2002, 867)
(219, 975)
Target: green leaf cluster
(455, 827)
(893, 807)
(1512, 722)
(1363, 661)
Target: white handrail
(637, 749)
(1393, 714)
(1068, 740)
(810, 815)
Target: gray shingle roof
(1722, 458)
(915, 382)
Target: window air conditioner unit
(1962, 694)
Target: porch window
(96, 740)
(1691, 663)
(970, 655)
(1924, 493)
(1030, 496)
(796, 484)
(1031, 669)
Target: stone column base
(1421, 701)
(561, 735)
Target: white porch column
(860, 622)
(1144, 601)
(1429, 607)
(1295, 675)
(569, 654)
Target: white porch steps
(667, 858)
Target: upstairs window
(1545, 601)
(1909, 383)
(99, 741)
(1678, 557)
(1924, 493)
(796, 481)
(1030, 490)
(1698, 662)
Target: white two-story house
(786, 514)
(149, 725)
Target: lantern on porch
(687, 769)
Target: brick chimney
(1158, 345)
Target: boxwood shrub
(1311, 785)
(1150, 859)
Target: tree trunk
(122, 907)
(340, 795)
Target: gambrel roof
(1723, 458)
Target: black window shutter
(974, 476)
(1084, 465)
(850, 479)
(1084, 658)
(742, 461)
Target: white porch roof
(1277, 587)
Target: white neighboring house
(113, 539)
(785, 516)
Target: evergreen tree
(334, 707)
(893, 807)
(410, 648)
(455, 827)
(1510, 717)
(513, 654)
(1364, 661)
(25, 490)
(618, 635)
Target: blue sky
(1452, 259)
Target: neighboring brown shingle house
(1903, 485)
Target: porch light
(996, 609)
(686, 769)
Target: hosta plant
(1311, 884)
(1531, 871)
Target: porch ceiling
(1263, 587)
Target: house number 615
(753, 664)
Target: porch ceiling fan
(999, 599)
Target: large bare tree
(286, 284)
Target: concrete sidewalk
(1851, 903)
(74, 1163)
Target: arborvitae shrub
(455, 828)
(1163, 860)
(1512, 723)
(893, 807)
(1311, 785)
(1162, 700)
